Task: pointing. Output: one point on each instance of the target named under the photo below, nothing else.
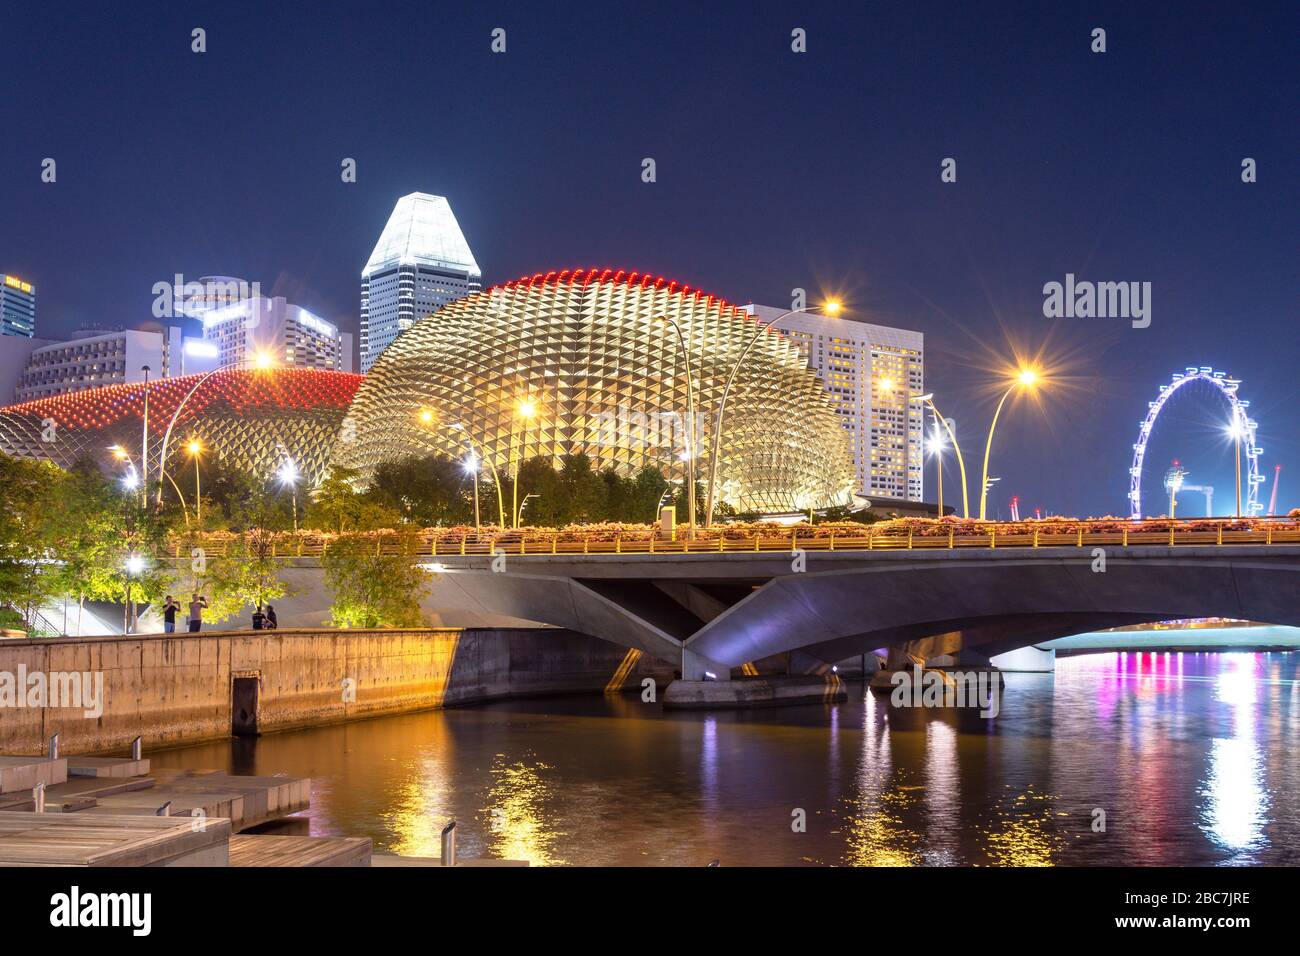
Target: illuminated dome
(253, 420)
(582, 362)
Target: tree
(372, 589)
(338, 506)
(29, 529)
(425, 490)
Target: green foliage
(338, 506)
(372, 589)
(425, 491)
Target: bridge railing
(439, 542)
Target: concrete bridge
(707, 613)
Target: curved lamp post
(690, 427)
(832, 308)
(427, 417)
(1027, 378)
(261, 362)
(928, 398)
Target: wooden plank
(183, 803)
(265, 798)
(23, 773)
(93, 787)
(107, 767)
(259, 850)
(85, 839)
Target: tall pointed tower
(420, 263)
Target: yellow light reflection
(517, 807)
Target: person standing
(170, 607)
(197, 603)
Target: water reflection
(1189, 756)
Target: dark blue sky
(775, 170)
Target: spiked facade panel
(595, 356)
(253, 420)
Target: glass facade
(421, 263)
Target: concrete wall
(173, 688)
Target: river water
(1190, 757)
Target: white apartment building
(92, 358)
(242, 332)
(871, 371)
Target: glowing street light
(134, 566)
(195, 448)
(288, 475)
(471, 466)
(262, 361)
(526, 410)
(1235, 432)
(1026, 378)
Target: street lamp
(134, 566)
(470, 465)
(928, 399)
(526, 410)
(832, 308)
(1235, 431)
(261, 361)
(195, 449)
(935, 447)
(288, 475)
(690, 428)
(1026, 378)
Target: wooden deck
(82, 839)
(250, 850)
(102, 811)
(106, 767)
(23, 773)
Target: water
(1190, 756)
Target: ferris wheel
(1240, 421)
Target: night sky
(775, 170)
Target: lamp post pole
(928, 398)
(938, 463)
(1026, 378)
(1236, 440)
(690, 428)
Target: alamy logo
(931, 688)
(1100, 300)
(74, 908)
(178, 297)
(56, 689)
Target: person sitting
(271, 622)
(259, 619)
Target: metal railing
(929, 538)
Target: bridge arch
(1228, 387)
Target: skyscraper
(420, 263)
(871, 371)
(17, 307)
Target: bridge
(709, 607)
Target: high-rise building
(242, 332)
(17, 307)
(93, 357)
(420, 263)
(871, 371)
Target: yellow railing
(534, 543)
